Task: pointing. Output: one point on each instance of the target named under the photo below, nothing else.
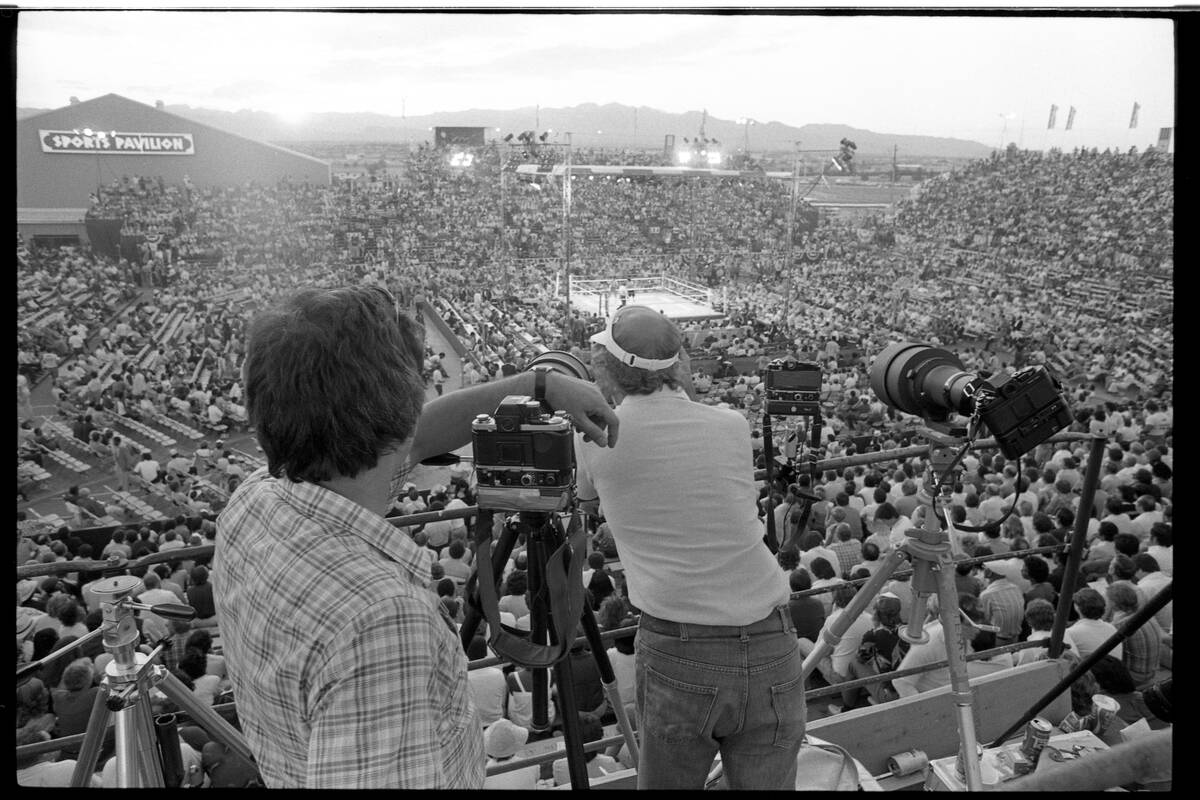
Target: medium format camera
(524, 457)
(1020, 410)
(793, 388)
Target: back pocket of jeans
(788, 701)
(676, 711)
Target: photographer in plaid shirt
(346, 672)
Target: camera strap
(563, 575)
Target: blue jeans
(705, 688)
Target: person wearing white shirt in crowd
(1039, 614)
(147, 469)
(1090, 631)
(1161, 548)
(1148, 515)
(835, 667)
(1025, 494)
(1117, 516)
(412, 502)
(458, 527)
(488, 685)
(992, 506)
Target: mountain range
(609, 125)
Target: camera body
(793, 388)
(524, 457)
(1023, 409)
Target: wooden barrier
(928, 721)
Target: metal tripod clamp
(927, 551)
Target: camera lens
(563, 362)
(923, 380)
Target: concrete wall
(57, 180)
(27, 230)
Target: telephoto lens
(923, 380)
(561, 361)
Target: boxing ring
(675, 298)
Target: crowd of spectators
(986, 261)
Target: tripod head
(118, 630)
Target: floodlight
(683, 156)
(714, 158)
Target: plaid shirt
(1140, 649)
(175, 649)
(849, 553)
(346, 672)
(1004, 606)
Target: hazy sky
(967, 77)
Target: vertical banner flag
(1053, 115)
(1133, 116)
(1070, 118)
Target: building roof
(110, 98)
(44, 216)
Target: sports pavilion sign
(118, 142)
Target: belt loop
(785, 617)
(744, 634)
(683, 632)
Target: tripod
(772, 537)
(555, 571)
(147, 751)
(931, 552)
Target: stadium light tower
(1006, 116)
(747, 122)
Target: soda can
(960, 766)
(1104, 710)
(1037, 736)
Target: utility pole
(895, 149)
(566, 229)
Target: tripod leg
(576, 763)
(609, 680)
(539, 628)
(134, 750)
(89, 751)
(210, 720)
(960, 684)
(866, 593)
(149, 763)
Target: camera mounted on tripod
(1020, 410)
(524, 457)
(793, 388)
